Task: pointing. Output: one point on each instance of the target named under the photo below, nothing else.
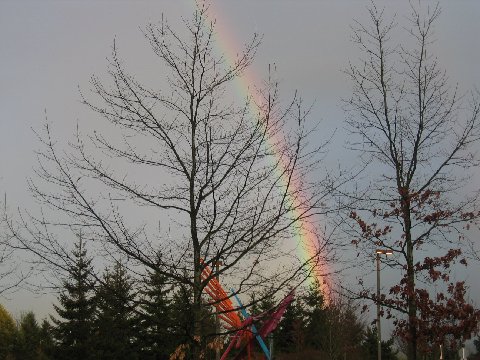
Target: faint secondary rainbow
(306, 233)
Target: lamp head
(384, 251)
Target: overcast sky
(50, 48)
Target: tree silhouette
(156, 334)
(370, 342)
(231, 177)
(116, 325)
(73, 328)
(29, 337)
(415, 136)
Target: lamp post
(379, 329)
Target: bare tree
(416, 138)
(232, 182)
(11, 273)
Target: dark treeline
(117, 318)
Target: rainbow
(306, 231)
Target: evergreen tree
(316, 318)
(290, 336)
(264, 303)
(46, 341)
(73, 330)
(34, 342)
(255, 307)
(8, 334)
(29, 336)
(208, 326)
(267, 302)
(181, 312)
(369, 345)
(156, 338)
(116, 323)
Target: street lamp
(379, 330)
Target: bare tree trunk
(411, 300)
(404, 194)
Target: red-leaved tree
(415, 137)
(443, 317)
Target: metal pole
(379, 329)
